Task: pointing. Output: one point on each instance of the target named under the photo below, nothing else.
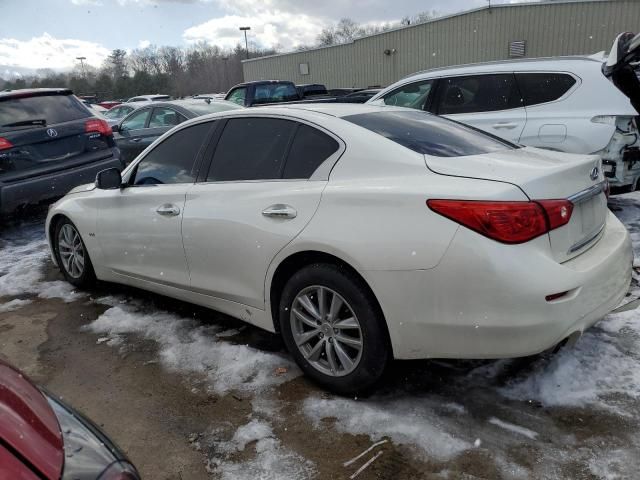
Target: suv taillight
(4, 144)
(98, 125)
(506, 222)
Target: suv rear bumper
(33, 190)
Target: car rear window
(24, 112)
(428, 134)
(540, 88)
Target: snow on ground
(190, 347)
(14, 304)
(24, 254)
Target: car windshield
(428, 134)
(40, 110)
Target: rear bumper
(34, 190)
(487, 300)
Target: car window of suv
(251, 149)
(310, 147)
(165, 117)
(238, 96)
(275, 92)
(539, 88)
(412, 95)
(136, 121)
(478, 93)
(174, 159)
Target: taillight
(98, 125)
(506, 222)
(4, 144)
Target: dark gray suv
(49, 143)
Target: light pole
(246, 45)
(82, 59)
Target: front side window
(309, 149)
(238, 96)
(429, 134)
(478, 93)
(412, 95)
(165, 117)
(539, 88)
(136, 121)
(173, 160)
(251, 149)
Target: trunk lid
(544, 175)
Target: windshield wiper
(22, 123)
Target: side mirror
(115, 128)
(109, 179)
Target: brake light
(506, 222)
(4, 144)
(98, 125)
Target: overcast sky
(51, 33)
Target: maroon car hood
(28, 426)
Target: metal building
(561, 27)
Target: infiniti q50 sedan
(359, 233)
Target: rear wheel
(332, 326)
(72, 256)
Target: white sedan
(360, 233)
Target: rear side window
(173, 160)
(539, 88)
(251, 149)
(478, 93)
(309, 149)
(16, 113)
(428, 134)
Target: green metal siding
(549, 29)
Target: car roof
(304, 109)
(528, 64)
(260, 82)
(27, 92)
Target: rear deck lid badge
(52, 132)
(594, 173)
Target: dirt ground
(158, 386)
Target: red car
(109, 104)
(41, 438)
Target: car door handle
(168, 210)
(280, 210)
(136, 139)
(506, 125)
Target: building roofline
(523, 3)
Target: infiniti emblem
(594, 173)
(52, 132)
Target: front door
(140, 226)
(131, 133)
(258, 195)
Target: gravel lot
(192, 394)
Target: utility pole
(82, 59)
(246, 45)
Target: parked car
(49, 143)
(250, 94)
(312, 90)
(143, 126)
(361, 96)
(117, 113)
(41, 437)
(564, 104)
(150, 98)
(360, 233)
(109, 104)
(210, 96)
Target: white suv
(563, 104)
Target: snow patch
(14, 304)
(187, 346)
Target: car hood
(28, 426)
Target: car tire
(72, 255)
(343, 346)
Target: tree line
(180, 71)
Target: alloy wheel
(71, 251)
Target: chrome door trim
(588, 193)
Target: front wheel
(333, 327)
(72, 256)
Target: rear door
(131, 133)
(258, 194)
(139, 227)
(47, 132)
(490, 102)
